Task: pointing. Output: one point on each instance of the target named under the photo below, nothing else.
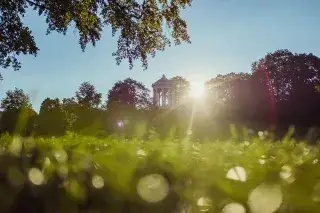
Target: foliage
(84, 174)
(51, 121)
(127, 104)
(291, 81)
(87, 109)
(223, 88)
(18, 116)
(128, 94)
(138, 25)
(181, 88)
(275, 95)
(69, 108)
(87, 95)
(289, 73)
(15, 99)
(18, 121)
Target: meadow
(76, 173)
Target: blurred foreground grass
(85, 174)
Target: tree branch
(124, 8)
(37, 5)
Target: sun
(196, 89)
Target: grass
(85, 174)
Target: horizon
(238, 34)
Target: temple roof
(162, 81)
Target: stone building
(163, 93)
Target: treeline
(280, 91)
(84, 113)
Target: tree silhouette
(129, 94)
(278, 67)
(139, 25)
(87, 110)
(51, 120)
(15, 99)
(88, 96)
(126, 102)
(290, 79)
(69, 108)
(18, 115)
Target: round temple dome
(162, 82)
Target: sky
(227, 36)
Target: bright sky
(227, 36)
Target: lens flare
(153, 188)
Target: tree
(223, 88)
(69, 108)
(276, 71)
(226, 95)
(139, 25)
(127, 102)
(18, 121)
(51, 119)
(88, 111)
(18, 115)
(129, 94)
(181, 88)
(15, 99)
(288, 72)
(88, 96)
(291, 80)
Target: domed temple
(163, 93)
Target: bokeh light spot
(141, 153)
(286, 174)
(36, 176)
(16, 146)
(237, 173)
(315, 161)
(120, 124)
(97, 181)
(246, 143)
(262, 161)
(153, 188)
(61, 156)
(266, 198)
(204, 203)
(233, 208)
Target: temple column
(169, 97)
(160, 97)
(163, 98)
(154, 97)
(166, 99)
(173, 98)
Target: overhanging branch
(37, 5)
